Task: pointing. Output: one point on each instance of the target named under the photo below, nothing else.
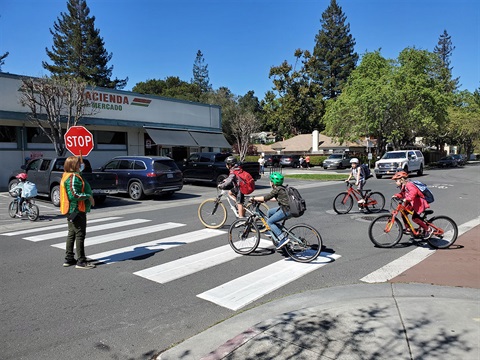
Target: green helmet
(276, 178)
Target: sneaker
(268, 235)
(361, 201)
(428, 233)
(86, 266)
(407, 231)
(282, 243)
(19, 215)
(68, 263)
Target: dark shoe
(68, 263)
(282, 243)
(85, 266)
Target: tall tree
(55, 104)
(78, 50)
(334, 55)
(444, 50)
(2, 59)
(200, 73)
(171, 87)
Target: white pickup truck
(392, 161)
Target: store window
(37, 136)
(8, 134)
(109, 140)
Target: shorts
(240, 198)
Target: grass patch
(319, 177)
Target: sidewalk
(431, 311)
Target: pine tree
(444, 50)
(78, 50)
(334, 55)
(200, 73)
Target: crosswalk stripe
(177, 269)
(89, 241)
(61, 226)
(90, 229)
(250, 287)
(130, 252)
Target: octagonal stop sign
(79, 141)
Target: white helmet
(354, 160)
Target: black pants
(77, 230)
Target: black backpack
(296, 203)
(367, 173)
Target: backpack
(425, 191)
(29, 190)
(245, 181)
(367, 174)
(296, 203)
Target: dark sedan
(447, 161)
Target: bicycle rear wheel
(375, 202)
(445, 232)
(343, 203)
(305, 243)
(384, 231)
(33, 212)
(264, 208)
(244, 236)
(212, 213)
(12, 209)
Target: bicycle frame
(232, 203)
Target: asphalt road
(122, 310)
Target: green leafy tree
(444, 50)
(334, 57)
(78, 50)
(171, 87)
(295, 106)
(2, 59)
(200, 73)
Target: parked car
(145, 175)
(461, 159)
(337, 161)
(447, 161)
(406, 160)
(290, 161)
(272, 160)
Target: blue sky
(240, 39)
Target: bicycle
(343, 202)
(29, 207)
(213, 213)
(244, 236)
(387, 230)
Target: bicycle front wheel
(33, 212)
(445, 232)
(264, 208)
(244, 236)
(343, 203)
(375, 202)
(385, 231)
(212, 213)
(12, 209)
(305, 243)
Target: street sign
(79, 141)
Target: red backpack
(245, 181)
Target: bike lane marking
(405, 262)
(246, 289)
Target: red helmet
(22, 176)
(400, 175)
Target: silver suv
(337, 161)
(392, 161)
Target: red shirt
(414, 197)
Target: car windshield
(394, 155)
(335, 156)
(164, 165)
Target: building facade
(122, 123)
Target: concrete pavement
(431, 311)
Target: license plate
(170, 176)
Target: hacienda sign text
(108, 101)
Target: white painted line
(90, 229)
(130, 252)
(410, 259)
(124, 234)
(61, 226)
(248, 288)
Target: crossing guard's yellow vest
(64, 201)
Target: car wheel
(55, 195)
(221, 178)
(135, 191)
(100, 199)
(405, 169)
(12, 184)
(378, 176)
(420, 171)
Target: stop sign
(79, 141)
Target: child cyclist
(279, 213)
(359, 177)
(232, 182)
(414, 199)
(22, 177)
